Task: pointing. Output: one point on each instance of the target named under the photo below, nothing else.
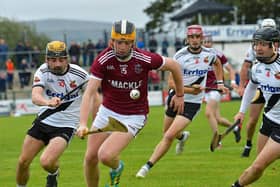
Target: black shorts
(190, 109)
(270, 129)
(258, 98)
(45, 132)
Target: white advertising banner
(155, 98)
(25, 106)
(5, 107)
(231, 32)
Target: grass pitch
(196, 167)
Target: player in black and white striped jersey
(195, 61)
(57, 119)
(258, 101)
(265, 74)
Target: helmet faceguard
(56, 49)
(123, 31)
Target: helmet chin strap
(123, 58)
(195, 49)
(265, 59)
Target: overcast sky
(94, 10)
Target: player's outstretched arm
(40, 100)
(244, 77)
(219, 73)
(178, 101)
(89, 97)
(246, 100)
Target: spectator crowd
(25, 57)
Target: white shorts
(213, 95)
(134, 123)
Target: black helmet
(267, 34)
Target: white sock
(118, 168)
(21, 185)
(147, 166)
(55, 173)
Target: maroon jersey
(119, 78)
(211, 78)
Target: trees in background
(13, 32)
(248, 12)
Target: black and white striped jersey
(194, 69)
(267, 76)
(57, 86)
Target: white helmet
(268, 23)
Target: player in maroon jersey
(213, 97)
(117, 70)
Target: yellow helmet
(123, 30)
(56, 49)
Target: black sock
(249, 143)
(149, 164)
(181, 137)
(236, 184)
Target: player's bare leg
(91, 169)
(165, 143)
(269, 153)
(163, 146)
(181, 136)
(109, 153)
(50, 156)
(255, 111)
(222, 120)
(50, 159)
(30, 148)
(210, 112)
(167, 123)
(226, 123)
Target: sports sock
(149, 164)
(236, 184)
(181, 137)
(118, 168)
(21, 185)
(55, 173)
(249, 143)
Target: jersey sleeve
(157, 61)
(96, 69)
(38, 79)
(250, 55)
(223, 59)
(253, 76)
(212, 58)
(248, 96)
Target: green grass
(196, 167)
